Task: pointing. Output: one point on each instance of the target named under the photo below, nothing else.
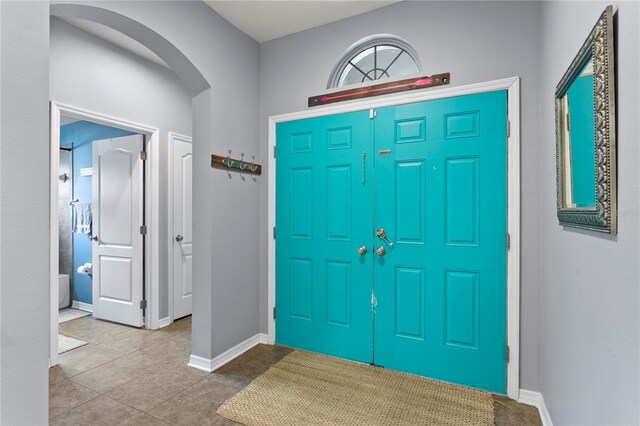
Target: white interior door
(117, 241)
(182, 228)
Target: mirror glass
(577, 136)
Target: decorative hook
(229, 159)
(243, 166)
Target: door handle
(179, 238)
(383, 236)
(381, 251)
(94, 238)
(362, 250)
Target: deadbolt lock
(381, 233)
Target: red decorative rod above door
(380, 89)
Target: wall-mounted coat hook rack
(235, 165)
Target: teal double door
(391, 237)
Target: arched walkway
(201, 91)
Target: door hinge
(508, 128)
(507, 354)
(274, 232)
(143, 155)
(143, 230)
(274, 151)
(274, 312)
(508, 241)
(372, 113)
(143, 304)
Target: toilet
(63, 291)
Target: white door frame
(512, 86)
(152, 203)
(170, 231)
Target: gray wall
(24, 203)
(90, 73)
(589, 318)
(475, 42)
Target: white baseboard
(88, 307)
(210, 365)
(164, 322)
(535, 398)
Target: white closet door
(182, 228)
(117, 218)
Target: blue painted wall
(80, 135)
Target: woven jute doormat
(310, 389)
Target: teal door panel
(441, 197)
(324, 213)
(434, 179)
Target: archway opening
(202, 132)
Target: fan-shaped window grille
(374, 58)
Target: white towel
(82, 223)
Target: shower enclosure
(65, 240)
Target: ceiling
(268, 20)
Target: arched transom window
(374, 58)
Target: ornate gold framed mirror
(586, 134)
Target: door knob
(94, 238)
(383, 236)
(179, 238)
(362, 250)
(381, 251)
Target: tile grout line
(122, 356)
(109, 390)
(99, 365)
(173, 396)
(70, 378)
(99, 394)
(161, 402)
(127, 405)
(107, 362)
(106, 396)
(117, 335)
(185, 389)
(79, 405)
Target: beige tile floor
(128, 376)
